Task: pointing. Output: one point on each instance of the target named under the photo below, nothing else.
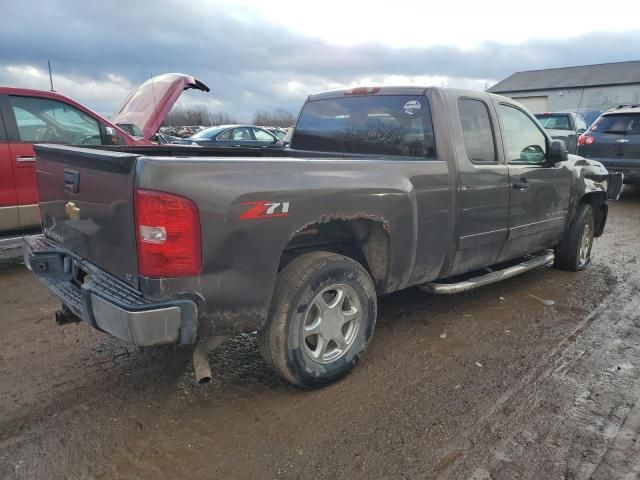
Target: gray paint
(434, 218)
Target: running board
(538, 260)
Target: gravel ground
(490, 384)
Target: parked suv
(614, 140)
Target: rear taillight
(167, 235)
(585, 139)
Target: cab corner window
(477, 132)
(524, 143)
(45, 120)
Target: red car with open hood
(36, 116)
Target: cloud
(99, 50)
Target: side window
(524, 143)
(3, 133)
(477, 132)
(242, 133)
(262, 136)
(44, 120)
(581, 125)
(226, 135)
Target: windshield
(208, 133)
(624, 124)
(554, 121)
(131, 129)
(369, 124)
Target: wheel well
(598, 200)
(364, 240)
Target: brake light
(167, 235)
(585, 139)
(362, 91)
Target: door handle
(521, 185)
(236, 145)
(25, 158)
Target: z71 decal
(264, 210)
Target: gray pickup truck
(380, 190)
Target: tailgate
(86, 205)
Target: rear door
(9, 219)
(33, 119)
(483, 194)
(540, 192)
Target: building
(600, 86)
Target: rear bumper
(107, 303)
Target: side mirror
(111, 137)
(558, 151)
(580, 131)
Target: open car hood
(149, 104)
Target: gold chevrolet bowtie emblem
(72, 211)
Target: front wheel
(322, 317)
(573, 253)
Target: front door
(540, 191)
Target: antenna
(50, 76)
(584, 84)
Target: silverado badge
(72, 211)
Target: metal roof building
(601, 86)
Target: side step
(537, 260)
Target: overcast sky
(257, 55)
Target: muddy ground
(515, 389)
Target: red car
(36, 116)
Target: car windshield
(132, 129)
(554, 121)
(624, 124)
(208, 133)
(367, 124)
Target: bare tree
(197, 116)
(276, 118)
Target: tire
(322, 318)
(573, 253)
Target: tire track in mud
(575, 416)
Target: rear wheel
(322, 318)
(573, 253)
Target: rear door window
(394, 125)
(477, 131)
(45, 120)
(262, 136)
